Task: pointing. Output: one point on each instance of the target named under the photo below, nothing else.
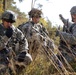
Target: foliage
(52, 31)
(41, 65)
(21, 17)
(43, 21)
(1, 6)
(10, 5)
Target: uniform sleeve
(3, 38)
(3, 42)
(68, 37)
(24, 28)
(23, 44)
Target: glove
(4, 51)
(21, 56)
(4, 54)
(9, 32)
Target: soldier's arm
(3, 41)
(25, 29)
(23, 44)
(69, 38)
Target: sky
(51, 9)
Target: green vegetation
(41, 65)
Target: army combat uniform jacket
(30, 29)
(11, 46)
(36, 34)
(17, 42)
(70, 39)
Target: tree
(10, 5)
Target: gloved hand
(4, 54)
(4, 51)
(21, 56)
(9, 32)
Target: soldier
(35, 14)
(69, 38)
(35, 32)
(11, 41)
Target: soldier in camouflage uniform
(11, 41)
(35, 33)
(68, 37)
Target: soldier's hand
(21, 56)
(9, 32)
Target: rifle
(63, 19)
(66, 26)
(66, 23)
(52, 56)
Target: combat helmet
(35, 13)
(73, 10)
(9, 15)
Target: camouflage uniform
(35, 34)
(10, 46)
(66, 23)
(16, 38)
(68, 38)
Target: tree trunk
(4, 4)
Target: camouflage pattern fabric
(17, 38)
(36, 33)
(70, 38)
(68, 43)
(67, 39)
(16, 44)
(35, 13)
